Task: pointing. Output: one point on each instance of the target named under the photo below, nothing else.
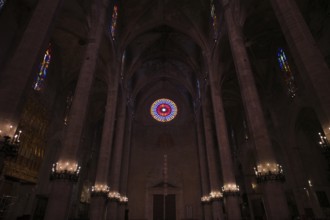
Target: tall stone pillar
(117, 158)
(101, 188)
(308, 58)
(123, 207)
(66, 170)
(230, 188)
(267, 170)
(18, 72)
(202, 164)
(215, 194)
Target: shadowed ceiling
(163, 45)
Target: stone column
(56, 131)
(202, 164)
(308, 58)
(274, 197)
(302, 191)
(116, 163)
(67, 168)
(126, 161)
(101, 188)
(217, 210)
(18, 72)
(230, 189)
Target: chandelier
(269, 172)
(230, 190)
(114, 196)
(117, 197)
(214, 195)
(123, 199)
(100, 190)
(65, 171)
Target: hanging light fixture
(100, 190)
(230, 189)
(269, 172)
(65, 170)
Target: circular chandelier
(163, 110)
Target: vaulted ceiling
(163, 45)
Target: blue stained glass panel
(41, 76)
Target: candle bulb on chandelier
(19, 135)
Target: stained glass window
(287, 74)
(114, 20)
(39, 83)
(2, 3)
(214, 21)
(163, 110)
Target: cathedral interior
(183, 110)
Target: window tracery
(163, 110)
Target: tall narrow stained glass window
(2, 3)
(39, 82)
(287, 74)
(114, 20)
(214, 21)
